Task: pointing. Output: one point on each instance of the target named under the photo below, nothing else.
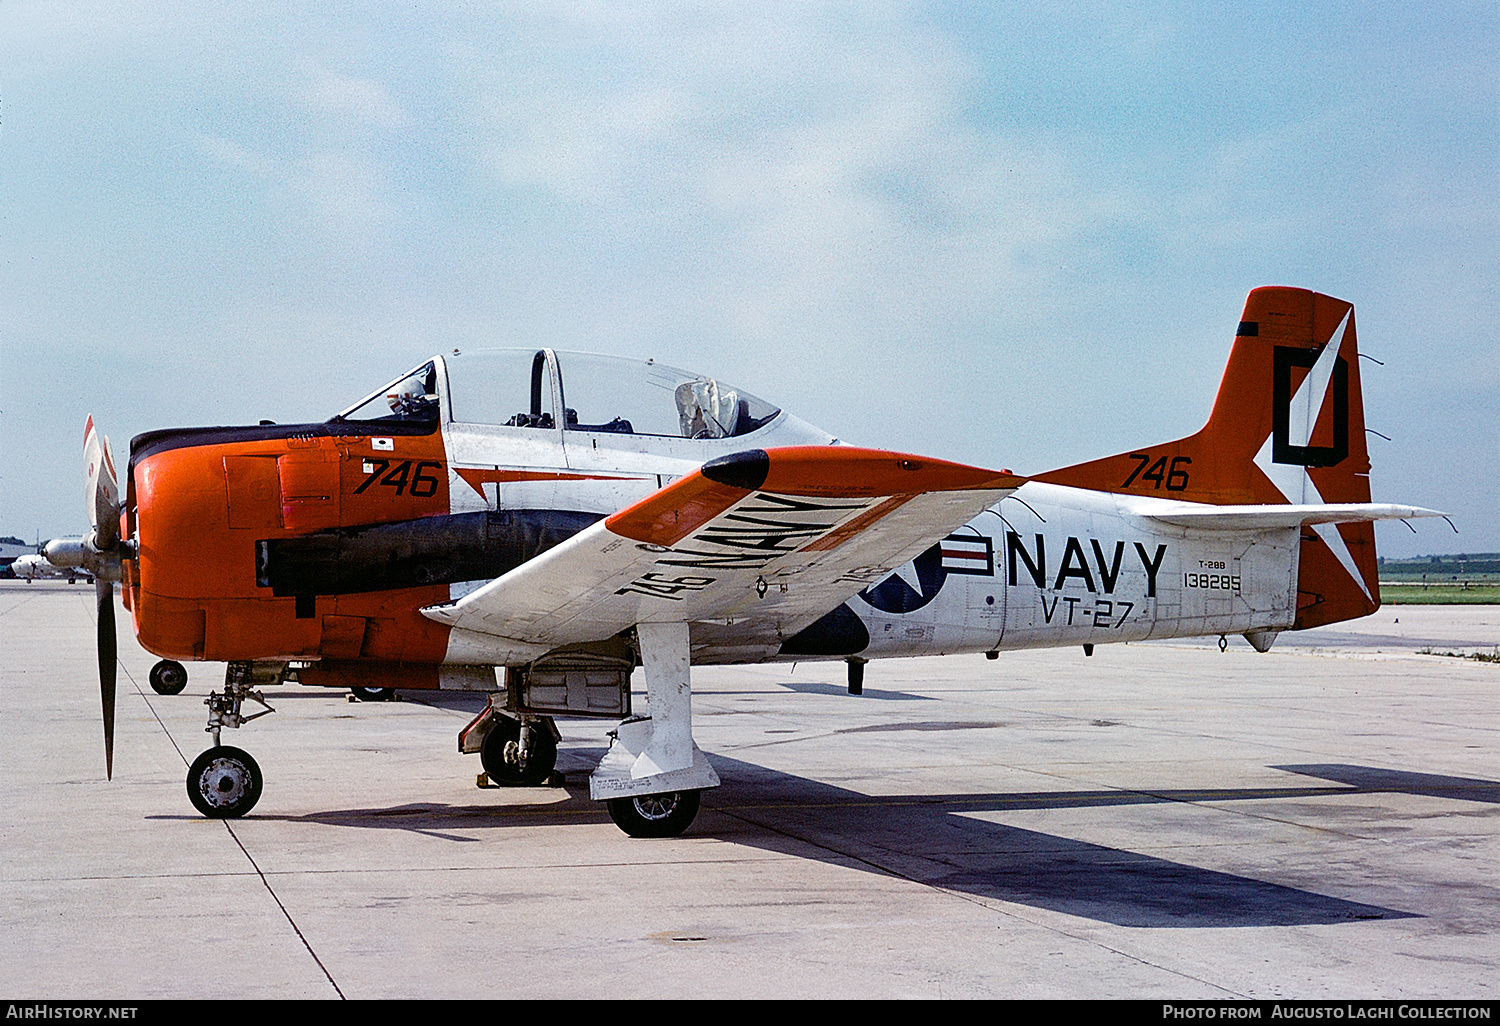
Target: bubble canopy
(524, 388)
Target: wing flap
(773, 539)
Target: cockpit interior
(600, 394)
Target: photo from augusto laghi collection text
(1327, 1010)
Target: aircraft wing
(766, 539)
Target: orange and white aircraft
(535, 525)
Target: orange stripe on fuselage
(478, 477)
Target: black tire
(655, 815)
(373, 694)
(540, 760)
(168, 677)
(224, 783)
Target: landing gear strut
(652, 773)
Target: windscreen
(410, 399)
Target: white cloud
(361, 100)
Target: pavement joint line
(1084, 938)
(1000, 909)
(229, 828)
(674, 859)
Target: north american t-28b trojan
(536, 525)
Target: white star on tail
(1293, 480)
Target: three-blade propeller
(102, 558)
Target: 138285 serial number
(1212, 582)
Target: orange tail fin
(1288, 426)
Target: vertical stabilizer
(1288, 426)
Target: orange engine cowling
(206, 507)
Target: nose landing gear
(225, 782)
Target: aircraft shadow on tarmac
(930, 840)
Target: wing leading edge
(767, 539)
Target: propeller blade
(103, 494)
(100, 553)
(105, 592)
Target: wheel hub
(226, 782)
(656, 806)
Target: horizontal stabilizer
(1260, 518)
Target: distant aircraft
(535, 525)
(38, 567)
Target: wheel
(168, 677)
(501, 749)
(654, 815)
(374, 694)
(224, 783)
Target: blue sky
(1013, 236)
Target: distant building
(10, 550)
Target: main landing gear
(652, 776)
(517, 753)
(654, 815)
(653, 773)
(373, 694)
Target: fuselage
(37, 567)
(322, 542)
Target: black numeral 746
(403, 477)
(1160, 473)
